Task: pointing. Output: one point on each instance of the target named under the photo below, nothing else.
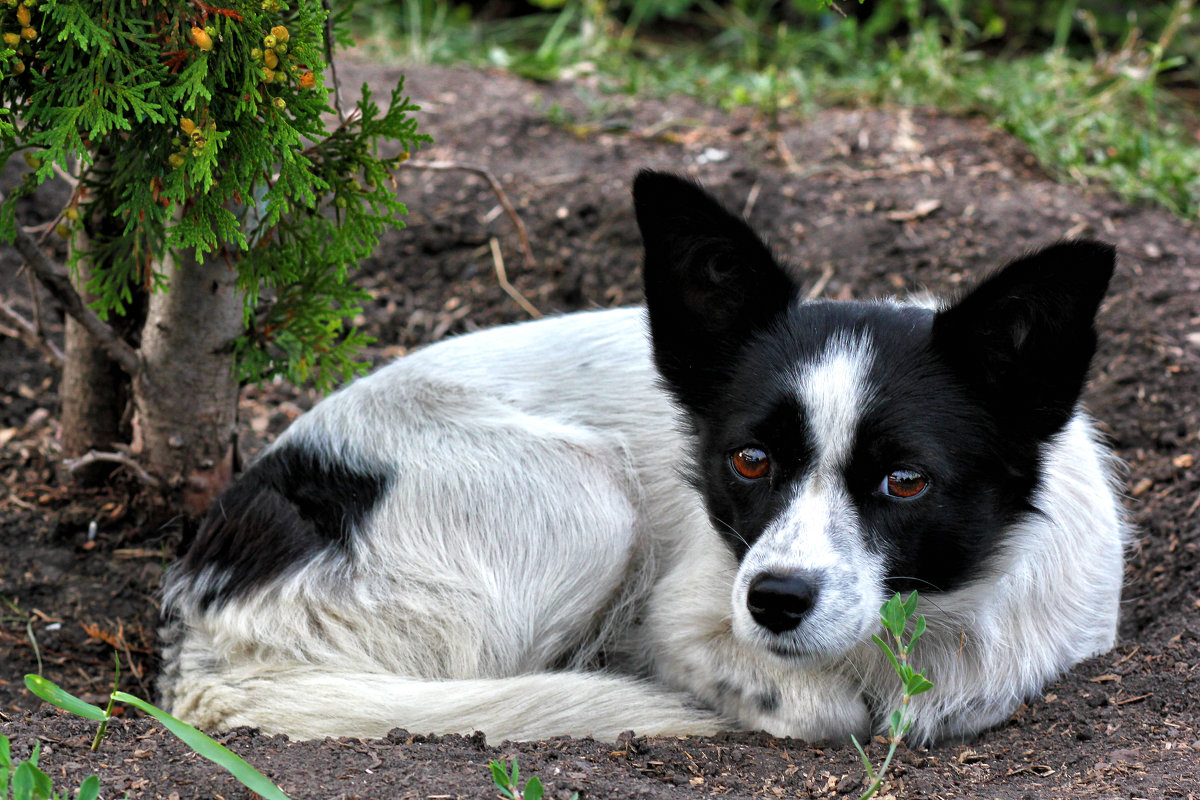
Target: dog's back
(473, 511)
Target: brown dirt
(847, 196)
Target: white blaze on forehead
(833, 390)
(803, 536)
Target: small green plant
(24, 780)
(508, 782)
(895, 615)
(201, 743)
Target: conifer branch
(59, 285)
(24, 331)
(497, 189)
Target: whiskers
(733, 531)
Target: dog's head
(849, 449)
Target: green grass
(203, 744)
(24, 780)
(1088, 103)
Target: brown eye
(751, 463)
(903, 483)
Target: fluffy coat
(546, 529)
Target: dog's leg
(694, 650)
(308, 701)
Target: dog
(674, 520)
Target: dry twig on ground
(497, 189)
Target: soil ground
(861, 203)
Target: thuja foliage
(203, 128)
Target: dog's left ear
(710, 281)
(1024, 338)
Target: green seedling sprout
(508, 782)
(27, 781)
(203, 744)
(895, 615)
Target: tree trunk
(186, 397)
(94, 393)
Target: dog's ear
(710, 281)
(1024, 338)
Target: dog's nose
(779, 602)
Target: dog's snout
(780, 602)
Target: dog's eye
(751, 463)
(903, 483)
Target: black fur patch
(710, 283)
(290, 505)
(768, 700)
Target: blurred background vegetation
(1100, 91)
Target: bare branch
(822, 282)
(59, 285)
(73, 465)
(25, 331)
(337, 87)
(446, 166)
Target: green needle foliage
(197, 127)
(200, 742)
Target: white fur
(540, 526)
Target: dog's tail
(309, 701)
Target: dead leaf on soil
(1105, 678)
(1142, 486)
(922, 209)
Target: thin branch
(337, 88)
(73, 465)
(71, 180)
(822, 282)
(59, 285)
(502, 276)
(446, 166)
(25, 331)
(36, 298)
(751, 199)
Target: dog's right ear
(711, 283)
(1023, 338)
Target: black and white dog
(673, 520)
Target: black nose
(779, 602)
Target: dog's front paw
(815, 707)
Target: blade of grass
(59, 698)
(206, 746)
